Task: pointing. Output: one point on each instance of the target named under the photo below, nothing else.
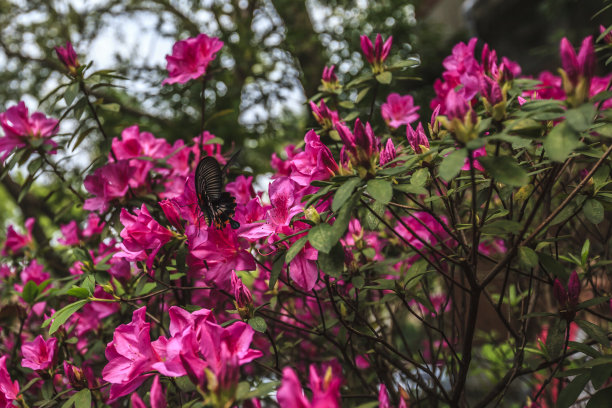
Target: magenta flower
(476, 153)
(361, 145)
(68, 57)
(326, 117)
(190, 58)
(608, 37)
(242, 189)
(76, 377)
(158, 397)
(582, 65)
(569, 297)
(223, 251)
(325, 390)
(417, 138)
(15, 242)
(491, 91)
(34, 272)
(243, 296)
(329, 75)
(129, 356)
(9, 389)
(399, 110)
(142, 236)
(316, 162)
(108, 183)
(378, 53)
(39, 354)
(388, 153)
(21, 129)
(94, 226)
(70, 234)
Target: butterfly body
(217, 205)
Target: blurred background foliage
(274, 53)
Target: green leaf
(332, 264)
(321, 237)
(362, 94)
(419, 177)
(277, 268)
(71, 93)
(89, 283)
(410, 189)
(30, 292)
(584, 348)
(111, 107)
(381, 190)
(61, 316)
(570, 393)
(592, 302)
(595, 332)
(555, 338)
(601, 399)
(344, 192)
(451, 165)
(81, 399)
(600, 374)
(80, 293)
(581, 118)
(371, 220)
(502, 227)
(505, 169)
(384, 78)
(295, 249)
(528, 257)
(561, 142)
(258, 324)
(593, 210)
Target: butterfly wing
(208, 179)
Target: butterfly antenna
(232, 159)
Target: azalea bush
(460, 260)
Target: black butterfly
(217, 205)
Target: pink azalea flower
(607, 39)
(283, 167)
(325, 390)
(242, 189)
(399, 110)
(378, 53)
(9, 389)
(108, 183)
(326, 117)
(190, 58)
(129, 356)
(316, 162)
(142, 236)
(68, 57)
(582, 65)
(303, 268)
(550, 87)
(20, 129)
(388, 153)
(417, 139)
(94, 226)
(158, 398)
(34, 272)
(242, 294)
(329, 75)
(70, 233)
(476, 153)
(223, 252)
(361, 145)
(15, 242)
(431, 234)
(600, 84)
(39, 354)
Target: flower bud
(560, 292)
(68, 57)
(75, 376)
(573, 289)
